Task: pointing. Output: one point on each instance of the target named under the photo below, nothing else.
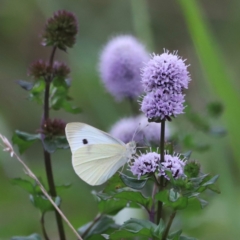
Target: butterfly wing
(81, 134)
(96, 163)
(96, 155)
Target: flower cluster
(138, 129)
(149, 163)
(174, 164)
(120, 64)
(61, 30)
(145, 164)
(164, 77)
(55, 127)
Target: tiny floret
(40, 69)
(145, 164)
(161, 105)
(61, 70)
(174, 164)
(120, 64)
(166, 71)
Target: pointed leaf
(51, 144)
(211, 181)
(25, 85)
(133, 182)
(25, 184)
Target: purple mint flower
(166, 71)
(120, 63)
(126, 130)
(160, 105)
(145, 164)
(174, 164)
(152, 131)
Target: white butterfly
(96, 155)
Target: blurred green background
(205, 32)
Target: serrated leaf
(25, 85)
(133, 182)
(24, 184)
(42, 203)
(51, 144)
(99, 227)
(37, 91)
(24, 140)
(34, 236)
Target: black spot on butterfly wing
(85, 141)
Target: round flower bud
(159, 105)
(120, 63)
(61, 70)
(54, 127)
(145, 164)
(40, 69)
(166, 71)
(60, 30)
(192, 169)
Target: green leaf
(34, 236)
(66, 105)
(211, 181)
(175, 235)
(63, 187)
(126, 194)
(42, 203)
(172, 199)
(37, 91)
(24, 140)
(133, 182)
(202, 202)
(51, 144)
(133, 228)
(99, 227)
(187, 155)
(25, 85)
(24, 184)
(113, 183)
(111, 206)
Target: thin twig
(7, 146)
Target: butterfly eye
(85, 141)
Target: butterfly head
(131, 149)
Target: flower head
(61, 30)
(174, 164)
(53, 127)
(145, 164)
(158, 105)
(166, 71)
(61, 70)
(192, 169)
(40, 69)
(120, 63)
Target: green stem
(47, 156)
(43, 227)
(166, 231)
(162, 141)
